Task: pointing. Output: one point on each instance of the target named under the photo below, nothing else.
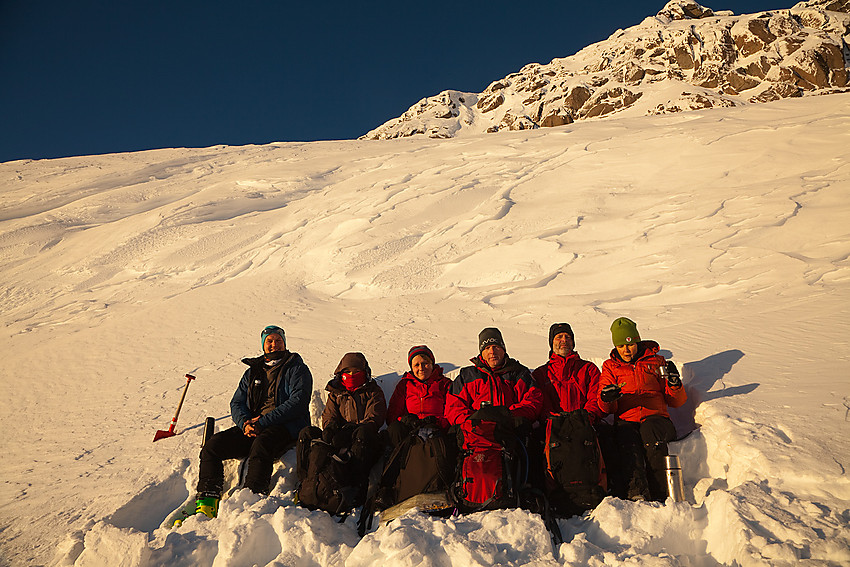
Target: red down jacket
(511, 386)
(420, 398)
(645, 393)
(568, 383)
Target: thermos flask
(675, 485)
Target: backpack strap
(398, 453)
(367, 513)
(549, 519)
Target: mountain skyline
(87, 78)
(686, 57)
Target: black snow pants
(261, 452)
(361, 442)
(634, 454)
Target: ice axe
(170, 433)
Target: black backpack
(325, 479)
(424, 462)
(574, 472)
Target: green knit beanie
(624, 331)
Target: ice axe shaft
(170, 433)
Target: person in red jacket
(420, 396)
(492, 404)
(567, 381)
(636, 386)
(496, 380)
(421, 456)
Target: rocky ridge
(686, 57)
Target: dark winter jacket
(295, 385)
(568, 383)
(645, 392)
(366, 404)
(511, 386)
(420, 398)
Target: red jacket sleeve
(547, 391)
(530, 400)
(445, 387)
(591, 377)
(606, 377)
(675, 397)
(458, 406)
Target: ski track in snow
(722, 233)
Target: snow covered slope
(723, 233)
(686, 57)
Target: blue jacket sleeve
(293, 396)
(239, 402)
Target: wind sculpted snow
(722, 233)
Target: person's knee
(269, 445)
(210, 450)
(309, 433)
(364, 442)
(657, 429)
(365, 433)
(396, 432)
(627, 436)
(655, 450)
(260, 452)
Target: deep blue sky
(80, 77)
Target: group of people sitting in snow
(498, 435)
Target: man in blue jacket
(269, 408)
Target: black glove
(329, 431)
(338, 435)
(499, 414)
(409, 420)
(610, 393)
(428, 421)
(673, 378)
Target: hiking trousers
(634, 455)
(260, 453)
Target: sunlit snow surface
(725, 234)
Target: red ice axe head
(170, 433)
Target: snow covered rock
(684, 10)
(686, 57)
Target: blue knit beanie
(271, 330)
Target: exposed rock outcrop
(686, 57)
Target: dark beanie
(490, 336)
(420, 350)
(557, 329)
(353, 361)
